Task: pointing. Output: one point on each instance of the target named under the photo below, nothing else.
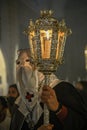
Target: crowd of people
(23, 107)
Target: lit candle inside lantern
(46, 46)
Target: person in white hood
(63, 102)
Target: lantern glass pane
(45, 37)
(31, 42)
(60, 45)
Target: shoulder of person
(63, 85)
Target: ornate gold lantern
(47, 37)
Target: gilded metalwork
(58, 33)
(47, 37)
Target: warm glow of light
(85, 52)
(3, 82)
(45, 37)
(47, 34)
(59, 45)
(47, 47)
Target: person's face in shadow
(12, 92)
(12, 96)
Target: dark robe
(76, 118)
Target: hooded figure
(64, 103)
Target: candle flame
(47, 35)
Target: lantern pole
(46, 111)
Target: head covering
(26, 76)
(30, 83)
(13, 85)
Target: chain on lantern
(47, 37)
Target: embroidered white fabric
(31, 81)
(24, 105)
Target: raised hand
(49, 97)
(46, 127)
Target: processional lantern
(47, 37)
